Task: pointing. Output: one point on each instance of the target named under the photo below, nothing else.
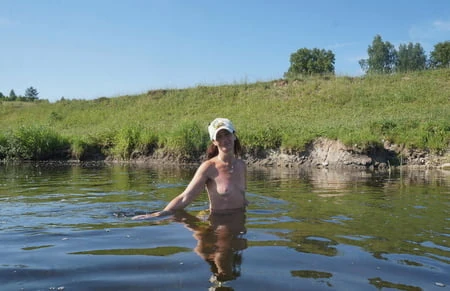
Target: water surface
(69, 228)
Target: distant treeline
(383, 58)
(31, 95)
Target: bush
(434, 135)
(78, 147)
(262, 139)
(3, 146)
(34, 143)
(188, 140)
(133, 140)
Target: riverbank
(374, 121)
(323, 153)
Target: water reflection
(220, 242)
(307, 229)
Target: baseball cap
(218, 124)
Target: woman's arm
(194, 188)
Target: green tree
(307, 62)
(2, 96)
(411, 57)
(382, 57)
(440, 56)
(31, 94)
(12, 95)
(364, 64)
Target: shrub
(35, 143)
(3, 146)
(133, 140)
(262, 139)
(187, 140)
(78, 147)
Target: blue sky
(85, 49)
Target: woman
(223, 174)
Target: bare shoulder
(207, 164)
(206, 167)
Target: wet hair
(213, 151)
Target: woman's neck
(226, 158)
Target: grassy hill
(410, 109)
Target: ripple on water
(356, 237)
(75, 232)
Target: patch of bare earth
(326, 153)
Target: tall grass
(411, 109)
(133, 141)
(32, 143)
(187, 140)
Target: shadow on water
(317, 229)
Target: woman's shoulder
(208, 164)
(211, 161)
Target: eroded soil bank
(326, 153)
(322, 153)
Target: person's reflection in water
(220, 242)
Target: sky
(86, 49)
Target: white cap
(218, 124)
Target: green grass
(411, 109)
(32, 143)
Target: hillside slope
(397, 116)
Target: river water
(70, 228)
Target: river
(69, 228)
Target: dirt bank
(326, 153)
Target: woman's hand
(151, 215)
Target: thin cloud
(441, 25)
(352, 59)
(437, 29)
(341, 45)
(4, 22)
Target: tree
(364, 64)
(12, 95)
(2, 96)
(440, 56)
(382, 57)
(411, 57)
(307, 62)
(31, 94)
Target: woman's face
(225, 140)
